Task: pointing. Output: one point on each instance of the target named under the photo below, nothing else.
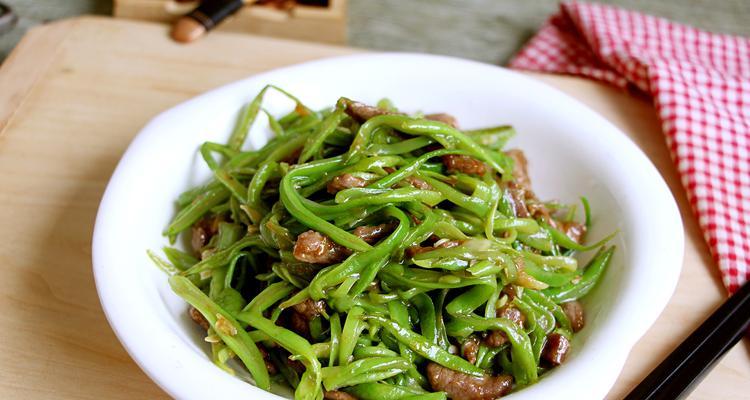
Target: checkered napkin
(700, 85)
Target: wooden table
(74, 93)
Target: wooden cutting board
(73, 95)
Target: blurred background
(485, 30)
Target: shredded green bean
(361, 244)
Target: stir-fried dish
(364, 253)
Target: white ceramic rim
(161, 352)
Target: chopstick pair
(678, 374)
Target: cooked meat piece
(498, 338)
(465, 164)
(444, 118)
(469, 349)
(310, 309)
(520, 170)
(574, 312)
(495, 339)
(576, 231)
(556, 349)
(345, 181)
(510, 291)
(418, 183)
(538, 210)
(296, 365)
(363, 112)
(460, 386)
(316, 248)
(198, 318)
(371, 234)
(412, 251)
(337, 395)
(517, 198)
(267, 359)
(299, 324)
(199, 239)
(512, 313)
(203, 231)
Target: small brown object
(418, 183)
(187, 29)
(460, 386)
(520, 168)
(464, 164)
(576, 231)
(315, 248)
(556, 349)
(296, 365)
(495, 339)
(202, 232)
(299, 324)
(371, 234)
(498, 338)
(518, 200)
(198, 318)
(470, 348)
(345, 181)
(270, 367)
(337, 395)
(361, 111)
(310, 308)
(512, 313)
(574, 311)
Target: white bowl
(572, 152)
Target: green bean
(196, 209)
(544, 301)
(254, 189)
(223, 257)
(179, 259)
(373, 351)
(246, 119)
(229, 330)
(325, 129)
(427, 322)
(367, 319)
(404, 146)
(355, 263)
(381, 391)
(293, 203)
(423, 347)
(564, 240)
(524, 365)
(470, 300)
(309, 387)
(274, 124)
(362, 371)
(335, 339)
(492, 138)
(592, 273)
(440, 132)
(208, 147)
(352, 329)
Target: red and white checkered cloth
(700, 85)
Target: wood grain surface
(74, 94)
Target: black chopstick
(678, 374)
